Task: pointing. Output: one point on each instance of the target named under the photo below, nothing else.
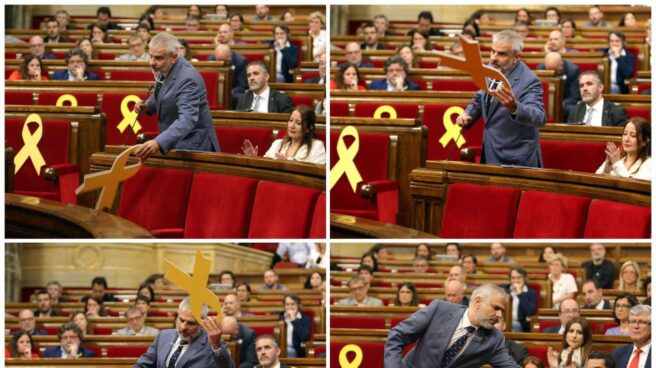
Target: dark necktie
(491, 87)
(158, 84)
(453, 351)
(176, 354)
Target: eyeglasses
(359, 288)
(623, 306)
(27, 319)
(570, 311)
(640, 323)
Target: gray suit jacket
(182, 108)
(147, 331)
(198, 355)
(613, 115)
(509, 140)
(432, 327)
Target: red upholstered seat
(18, 98)
(479, 211)
(396, 320)
(643, 113)
(644, 87)
(539, 352)
(263, 330)
(423, 84)
(212, 83)
(55, 149)
(318, 228)
(550, 215)
(545, 324)
(585, 66)
(302, 100)
(357, 322)
(371, 162)
(309, 75)
(83, 98)
(156, 199)
(575, 156)
(405, 111)
(282, 211)
(286, 265)
(433, 119)
(231, 139)
(96, 349)
(372, 352)
(131, 75)
(339, 109)
(427, 64)
(219, 206)
(127, 351)
(111, 106)
(607, 326)
(608, 219)
(102, 330)
(454, 85)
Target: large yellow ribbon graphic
(31, 148)
(66, 98)
(346, 165)
(452, 130)
(385, 109)
(129, 116)
(355, 363)
(196, 286)
(109, 180)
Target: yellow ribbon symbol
(196, 286)
(346, 157)
(355, 363)
(31, 148)
(66, 98)
(129, 116)
(109, 180)
(452, 130)
(385, 109)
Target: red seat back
(126, 351)
(539, 352)
(550, 215)
(434, 120)
(156, 199)
(479, 211)
(367, 110)
(302, 100)
(111, 106)
(546, 324)
(643, 113)
(18, 98)
(83, 98)
(219, 206)
(340, 109)
(454, 85)
(318, 228)
(282, 211)
(263, 330)
(357, 322)
(231, 139)
(575, 156)
(372, 353)
(212, 84)
(131, 75)
(608, 219)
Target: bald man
(571, 95)
(223, 52)
(245, 336)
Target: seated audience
(21, 345)
(546, 254)
(622, 62)
(596, 18)
(246, 338)
(456, 272)
(633, 160)
(407, 296)
(482, 17)
(594, 296)
(594, 109)
(70, 338)
(38, 48)
(369, 259)
(563, 283)
(237, 22)
(98, 35)
(425, 24)
(408, 55)
(87, 46)
(516, 350)
(556, 42)
(104, 18)
(599, 268)
(294, 252)
(577, 345)
(194, 11)
(99, 290)
(381, 252)
(82, 321)
(76, 61)
(522, 30)
(396, 71)
(53, 30)
(419, 42)
(532, 362)
(454, 292)
(353, 53)
(156, 281)
(552, 14)
(347, 78)
(382, 25)
(27, 322)
(470, 29)
(298, 145)
(623, 303)
(93, 307)
(359, 290)
(44, 305)
(262, 13)
(627, 20)
(423, 250)
(185, 50)
(313, 281)
(318, 258)
(600, 359)
(232, 306)
(567, 310)
(144, 31)
(136, 324)
(56, 290)
(366, 273)
(568, 26)
(524, 300)
(287, 16)
(286, 53)
(498, 254)
(317, 24)
(63, 19)
(238, 64)
(523, 15)
(630, 277)
(321, 79)
(268, 352)
(298, 326)
(469, 264)
(370, 38)
(137, 49)
(260, 97)
(271, 282)
(31, 69)
(456, 49)
(420, 264)
(243, 291)
(638, 353)
(142, 303)
(227, 278)
(147, 291)
(453, 249)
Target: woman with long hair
(633, 160)
(31, 69)
(577, 345)
(21, 345)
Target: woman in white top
(633, 160)
(299, 144)
(317, 24)
(564, 285)
(577, 345)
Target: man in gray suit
(451, 335)
(189, 345)
(180, 100)
(513, 116)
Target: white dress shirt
(644, 352)
(460, 331)
(263, 106)
(597, 113)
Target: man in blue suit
(638, 354)
(397, 71)
(180, 100)
(76, 62)
(513, 116)
(188, 345)
(70, 338)
(452, 335)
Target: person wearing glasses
(358, 290)
(623, 303)
(638, 353)
(137, 49)
(136, 327)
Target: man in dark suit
(99, 290)
(103, 18)
(260, 97)
(513, 114)
(397, 71)
(246, 338)
(38, 48)
(425, 24)
(516, 350)
(594, 109)
(450, 335)
(45, 305)
(180, 100)
(70, 338)
(268, 352)
(600, 359)
(353, 53)
(76, 61)
(27, 322)
(321, 79)
(52, 28)
(567, 310)
(571, 95)
(222, 52)
(638, 354)
(370, 37)
(382, 25)
(188, 345)
(594, 296)
(454, 292)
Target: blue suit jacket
(623, 353)
(63, 75)
(528, 303)
(509, 140)
(302, 329)
(56, 352)
(572, 93)
(432, 327)
(185, 121)
(289, 60)
(381, 85)
(198, 355)
(625, 67)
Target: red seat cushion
(156, 199)
(282, 211)
(643, 113)
(318, 228)
(433, 119)
(339, 109)
(551, 215)
(608, 219)
(367, 110)
(479, 211)
(83, 98)
(575, 156)
(372, 352)
(111, 106)
(126, 351)
(357, 322)
(454, 85)
(539, 352)
(545, 324)
(263, 330)
(219, 206)
(212, 84)
(18, 98)
(302, 100)
(131, 75)
(231, 139)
